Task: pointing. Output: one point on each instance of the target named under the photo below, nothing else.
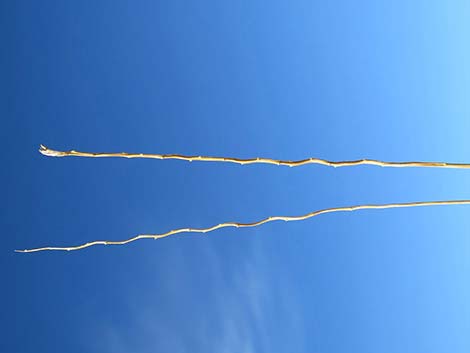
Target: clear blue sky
(283, 79)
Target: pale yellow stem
(52, 153)
(254, 224)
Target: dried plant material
(53, 153)
(254, 224)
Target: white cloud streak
(244, 301)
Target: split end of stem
(50, 153)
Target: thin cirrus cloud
(242, 300)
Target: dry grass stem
(53, 153)
(254, 224)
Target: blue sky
(288, 80)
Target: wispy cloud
(245, 303)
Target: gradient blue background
(281, 79)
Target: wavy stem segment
(254, 224)
(53, 153)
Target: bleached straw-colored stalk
(254, 224)
(53, 153)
